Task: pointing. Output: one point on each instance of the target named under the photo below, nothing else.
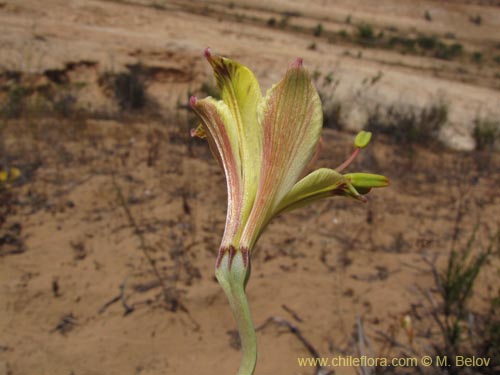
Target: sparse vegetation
(14, 103)
(23, 98)
(408, 44)
(127, 87)
(455, 286)
(409, 125)
(427, 42)
(448, 52)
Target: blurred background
(111, 215)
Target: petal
(319, 184)
(221, 132)
(325, 182)
(241, 92)
(291, 119)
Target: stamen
(348, 162)
(192, 101)
(207, 53)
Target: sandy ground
(115, 224)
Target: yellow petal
(241, 92)
(291, 119)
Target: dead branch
(292, 313)
(120, 297)
(169, 295)
(143, 245)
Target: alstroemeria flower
(264, 145)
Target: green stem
(232, 275)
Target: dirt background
(109, 237)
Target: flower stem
(232, 273)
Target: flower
(264, 145)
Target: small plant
(408, 44)
(14, 103)
(486, 133)
(263, 145)
(348, 19)
(271, 22)
(158, 6)
(490, 333)
(343, 34)
(448, 52)
(455, 286)
(427, 16)
(457, 283)
(365, 32)
(312, 46)
(427, 42)
(128, 88)
(477, 57)
(328, 79)
(476, 20)
(283, 23)
(318, 30)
